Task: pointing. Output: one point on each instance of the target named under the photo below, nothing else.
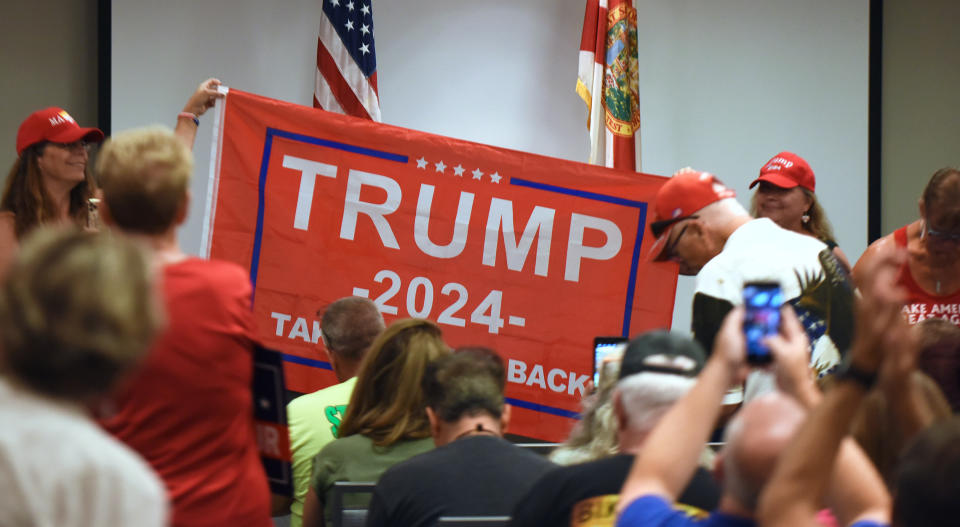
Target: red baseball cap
(53, 124)
(681, 197)
(787, 170)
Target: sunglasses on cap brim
(658, 227)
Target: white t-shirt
(59, 469)
(809, 276)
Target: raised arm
(199, 102)
(670, 454)
(806, 469)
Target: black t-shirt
(553, 497)
(473, 476)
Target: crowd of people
(126, 369)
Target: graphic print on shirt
(825, 308)
(334, 415)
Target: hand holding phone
(762, 301)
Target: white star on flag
(365, 49)
(495, 177)
(349, 25)
(364, 29)
(350, 6)
(365, 9)
(440, 166)
(477, 174)
(422, 163)
(458, 171)
(336, 3)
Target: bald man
(754, 439)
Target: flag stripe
(589, 37)
(337, 86)
(345, 77)
(323, 96)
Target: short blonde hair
(144, 174)
(387, 404)
(77, 311)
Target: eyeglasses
(74, 146)
(941, 236)
(658, 227)
(671, 246)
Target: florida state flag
(608, 82)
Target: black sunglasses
(658, 227)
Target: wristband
(188, 115)
(850, 372)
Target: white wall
(921, 101)
(49, 58)
(724, 85)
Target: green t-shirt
(313, 420)
(356, 458)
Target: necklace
(478, 430)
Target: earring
(805, 218)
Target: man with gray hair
(348, 327)
(755, 438)
(658, 368)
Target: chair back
(473, 521)
(351, 500)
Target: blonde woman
(76, 314)
(786, 196)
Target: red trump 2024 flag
(528, 255)
(607, 81)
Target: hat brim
(775, 179)
(71, 135)
(658, 249)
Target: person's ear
(434, 422)
(182, 212)
(718, 466)
(618, 411)
(505, 418)
(104, 212)
(696, 228)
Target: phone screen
(762, 318)
(606, 351)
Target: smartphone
(606, 352)
(762, 318)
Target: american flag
(608, 82)
(346, 62)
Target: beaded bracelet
(196, 120)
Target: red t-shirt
(188, 410)
(920, 304)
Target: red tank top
(920, 304)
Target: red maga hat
(55, 125)
(681, 197)
(787, 170)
